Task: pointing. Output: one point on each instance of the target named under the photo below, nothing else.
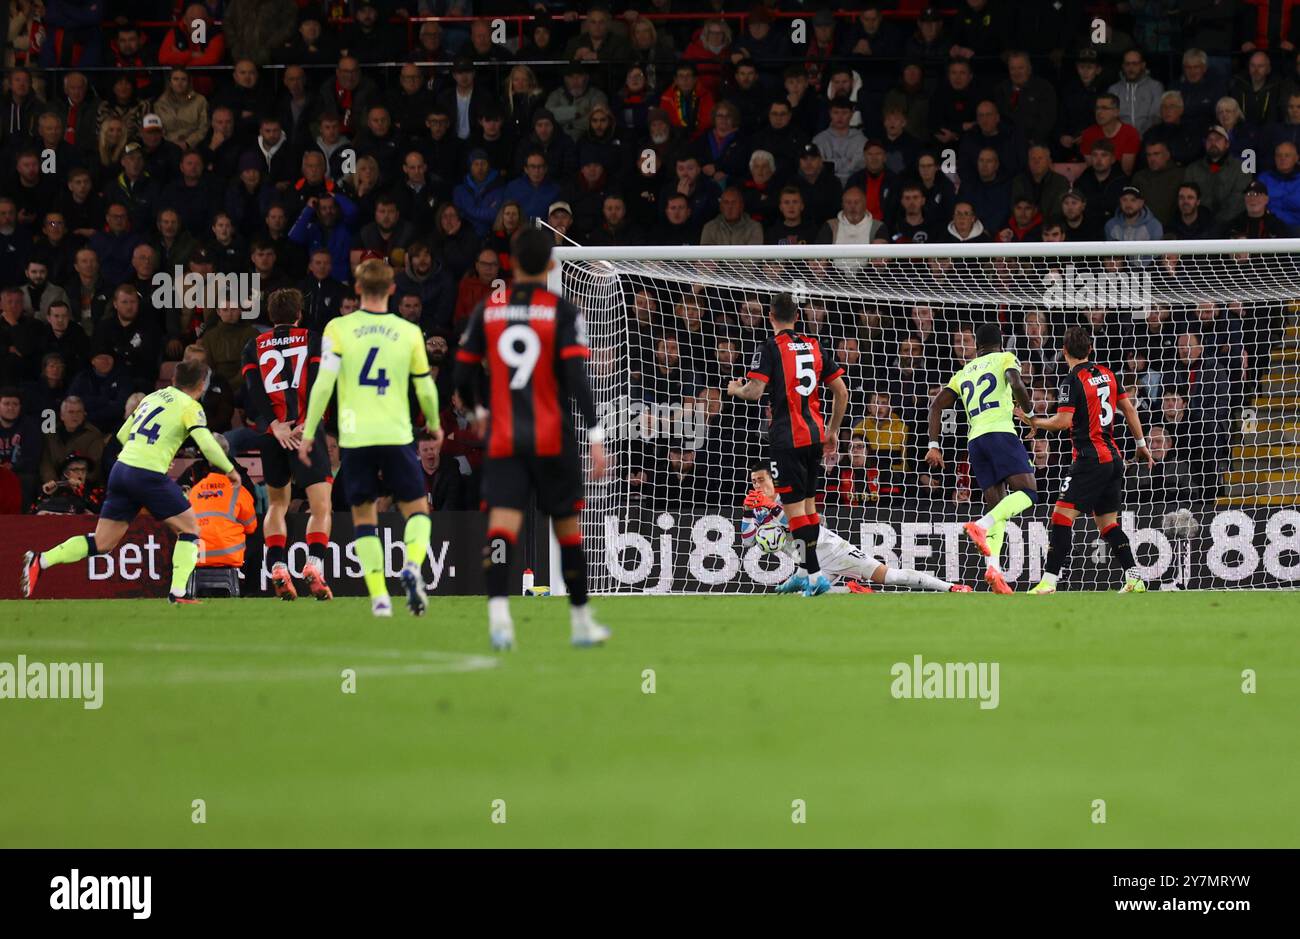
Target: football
(771, 537)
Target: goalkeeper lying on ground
(839, 558)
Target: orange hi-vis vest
(226, 517)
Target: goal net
(1204, 336)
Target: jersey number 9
(519, 348)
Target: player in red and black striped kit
(793, 367)
(279, 369)
(1096, 479)
(534, 347)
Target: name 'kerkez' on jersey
(525, 338)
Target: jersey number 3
(1107, 411)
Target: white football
(771, 537)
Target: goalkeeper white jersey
(838, 557)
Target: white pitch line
(426, 661)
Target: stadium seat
(214, 582)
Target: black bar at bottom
(337, 887)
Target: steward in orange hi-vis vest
(226, 517)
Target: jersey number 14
(145, 427)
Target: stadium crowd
(295, 139)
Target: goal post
(1204, 336)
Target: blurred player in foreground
(150, 438)
(372, 355)
(998, 459)
(534, 346)
(838, 557)
(1095, 482)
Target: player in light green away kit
(999, 462)
(150, 438)
(372, 355)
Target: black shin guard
(573, 566)
(1120, 548)
(1060, 540)
(809, 534)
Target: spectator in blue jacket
(480, 194)
(534, 190)
(1283, 183)
(328, 221)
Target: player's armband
(329, 359)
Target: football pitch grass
(758, 702)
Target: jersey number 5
(803, 371)
(968, 389)
(379, 380)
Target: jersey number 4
(968, 389)
(379, 379)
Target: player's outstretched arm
(839, 404)
(579, 385)
(211, 450)
(1020, 394)
(321, 392)
(1058, 421)
(1134, 421)
(746, 389)
(945, 399)
(426, 392)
